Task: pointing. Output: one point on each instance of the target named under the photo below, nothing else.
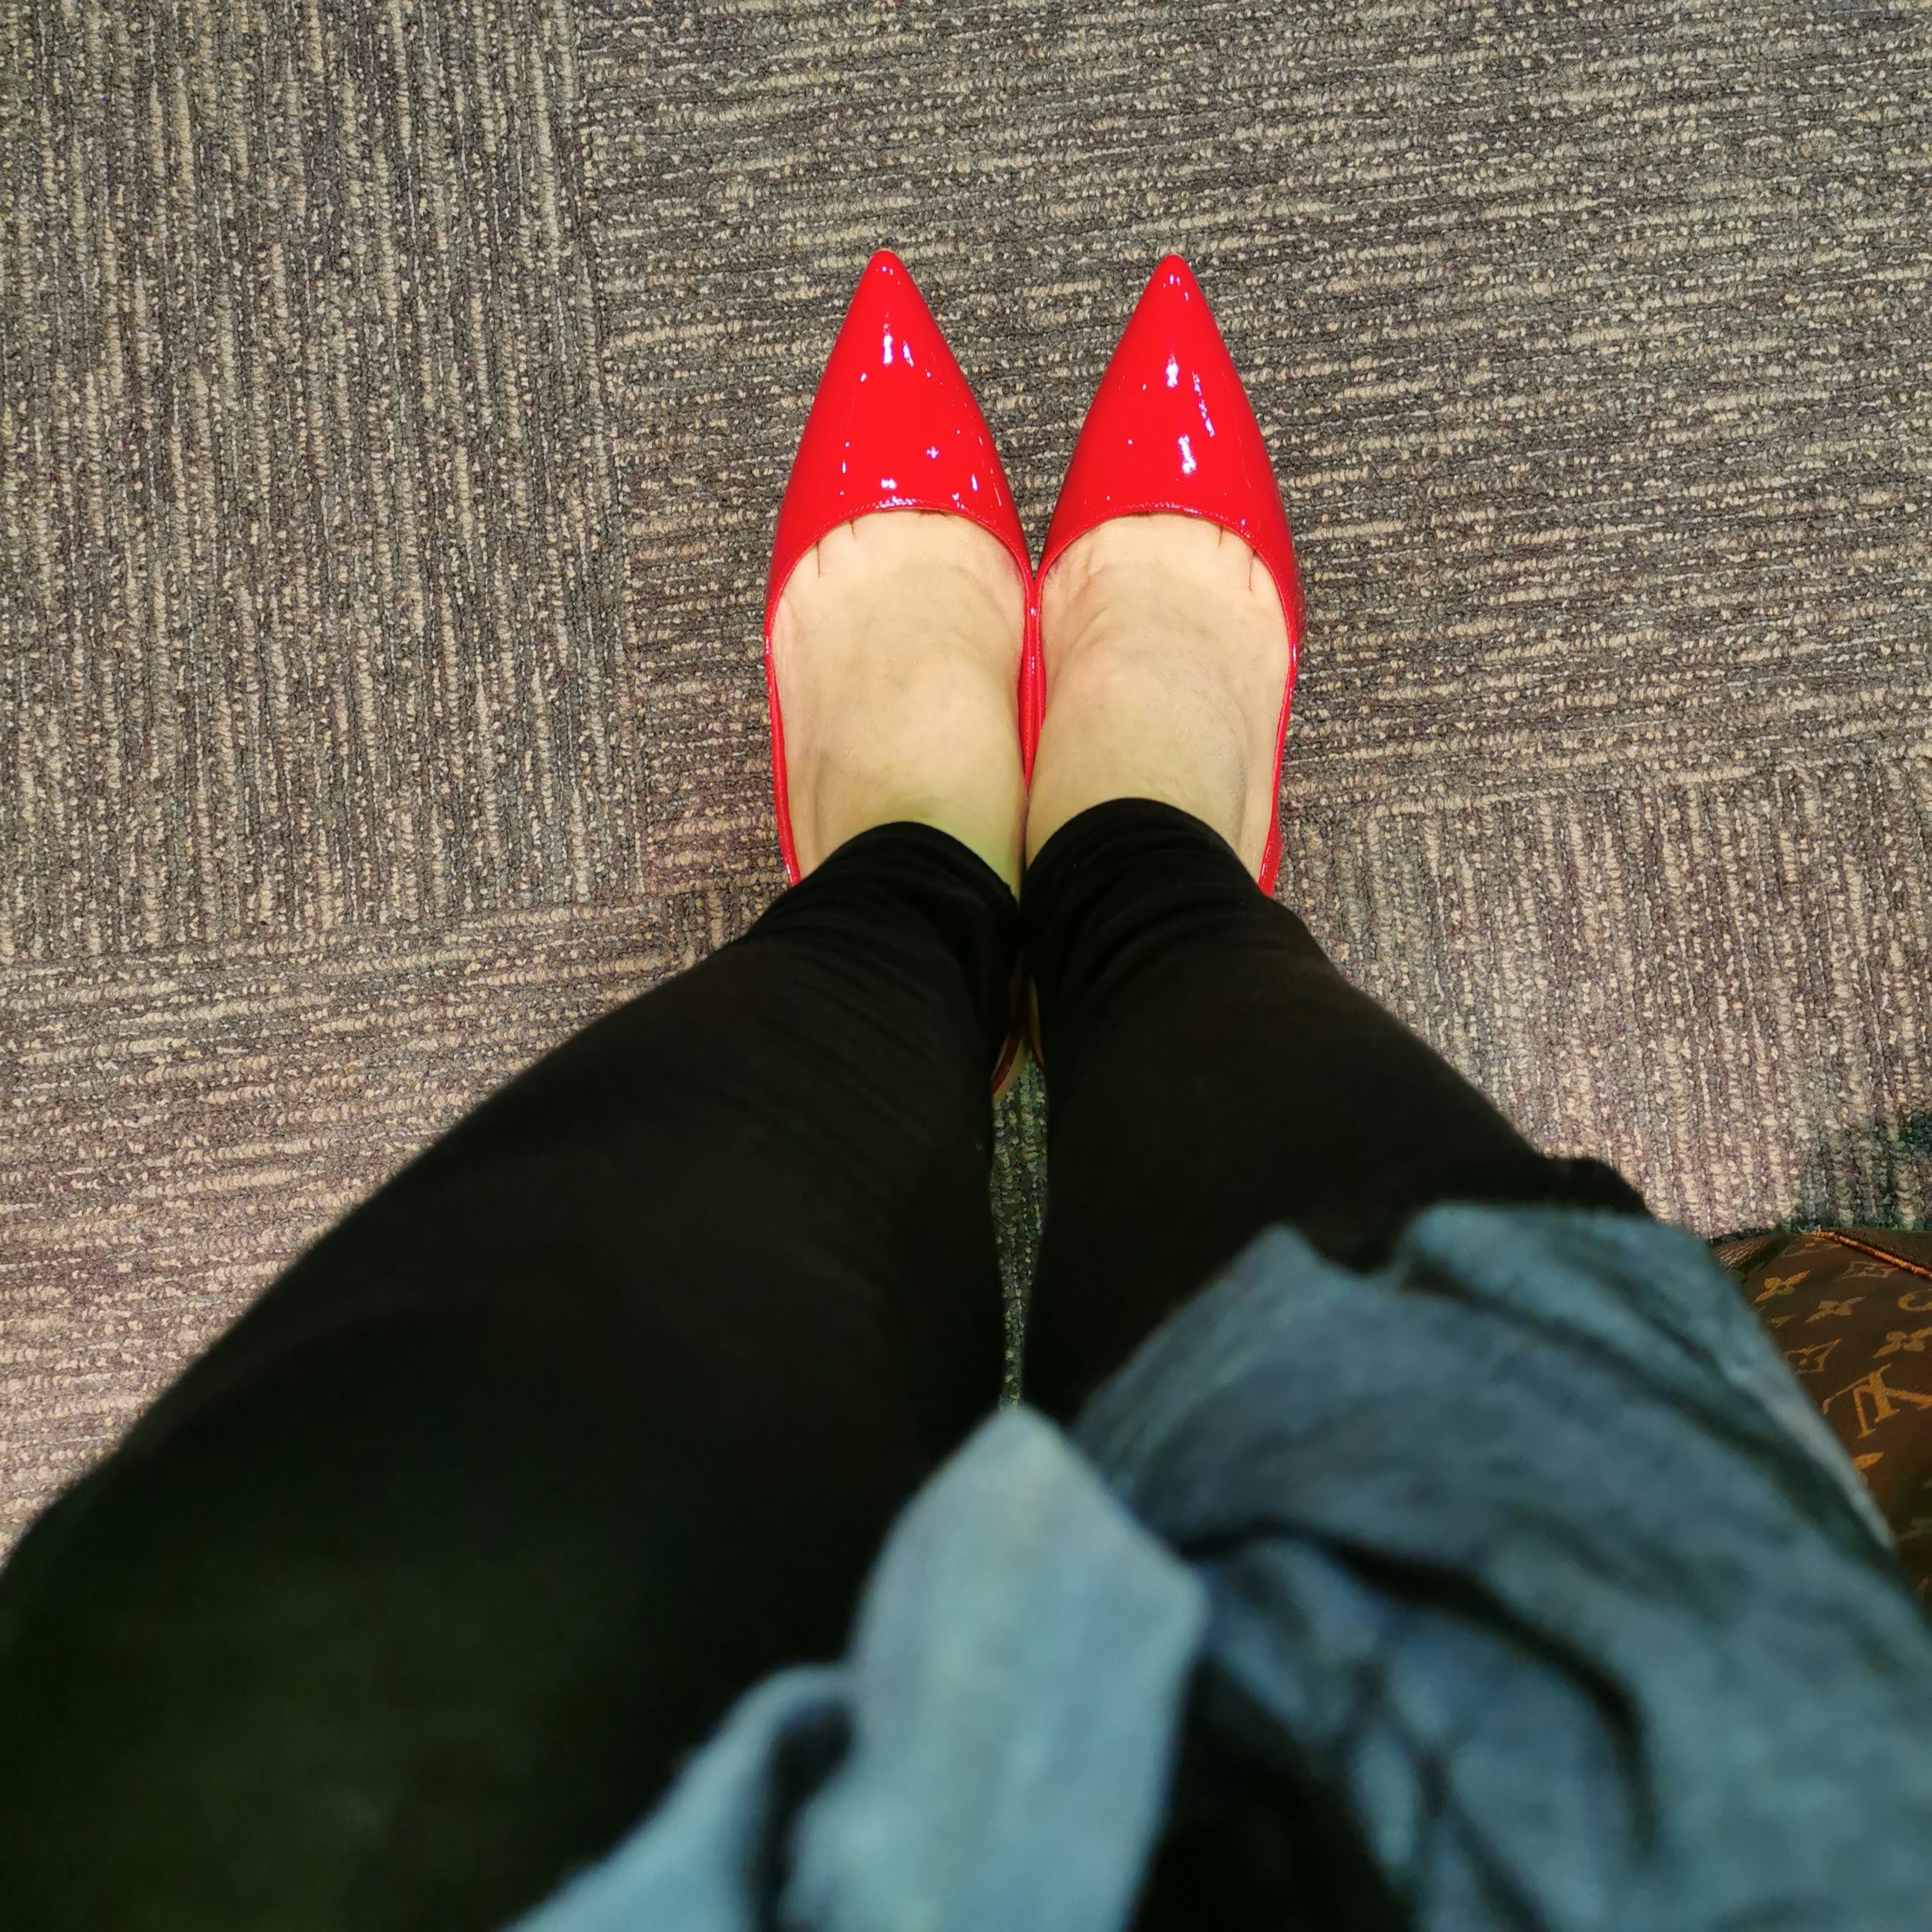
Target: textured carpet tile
(1767, 1057)
(308, 613)
(311, 636)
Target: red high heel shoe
(1171, 431)
(894, 426)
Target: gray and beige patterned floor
(393, 403)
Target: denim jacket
(1527, 1550)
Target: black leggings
(414, 1592)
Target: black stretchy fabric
(1210, 1073)
(413, 1593)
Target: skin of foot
(896, 646)
(1166, 650)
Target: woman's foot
(896, 646)
(1166, 650)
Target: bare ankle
(1166, 651)
(896, 647)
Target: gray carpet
(393, 404)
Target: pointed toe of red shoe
(894, 426)
(1171, 431)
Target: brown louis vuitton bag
(1851, 1310)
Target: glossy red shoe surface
(894, 426)
(1171, 431)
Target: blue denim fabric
(1528, 1544)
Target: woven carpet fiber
(395, 397)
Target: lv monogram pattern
(1851, 1310)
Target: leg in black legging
(413, 1592)
(1209, 1074)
